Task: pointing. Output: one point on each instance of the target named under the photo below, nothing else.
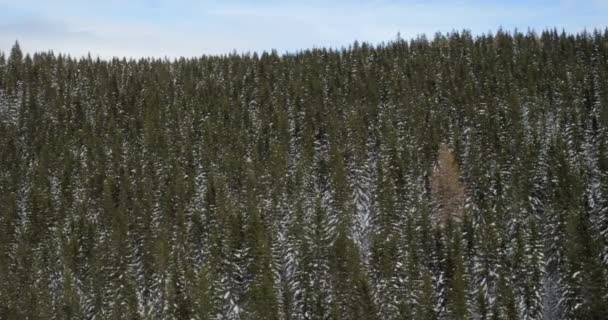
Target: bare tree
(446, 188)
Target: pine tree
(309, 185)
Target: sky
(174, 28)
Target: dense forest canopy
(303, 185)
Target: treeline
(300, 186)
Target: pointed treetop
(16, 54)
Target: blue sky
(160, 28)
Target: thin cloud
(191, 28)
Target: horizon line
(342, 48)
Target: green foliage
(299, 186)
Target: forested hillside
(463, 177)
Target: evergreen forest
(453, 177)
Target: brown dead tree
(447, 190)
